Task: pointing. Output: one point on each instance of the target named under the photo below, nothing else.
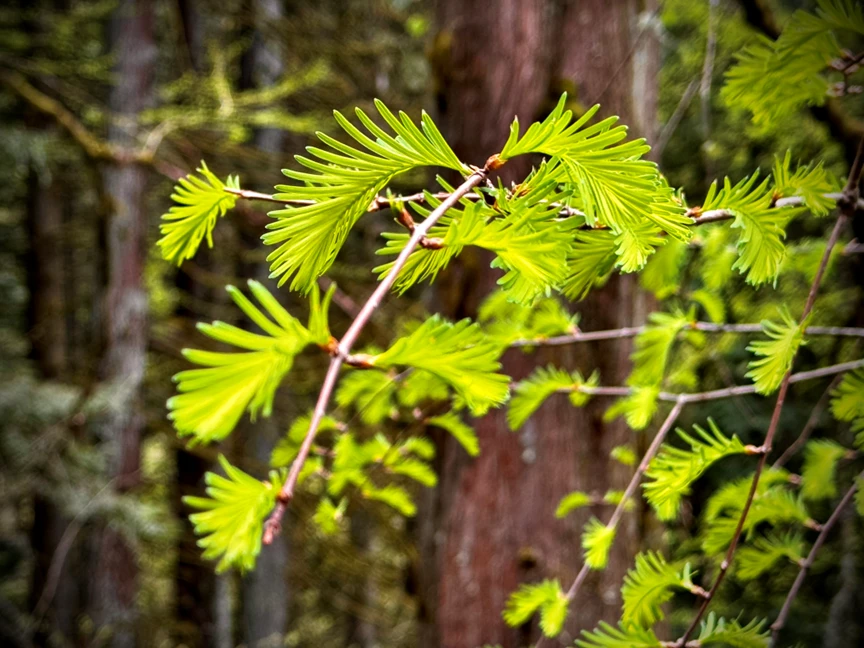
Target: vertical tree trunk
(609, 52)
(49, 350)
(125, 312)
(490, 524)
(489, 521)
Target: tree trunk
(490, 524)
(125, 313)
(57, 595)
(609, 54)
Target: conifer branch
(344, 346)
(807, 563)
(629, 492)
(847, 205)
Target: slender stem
(808, 428)
(727, 392)
(777, 626)
(343, 348)
(618, 513)
(257, 195)
(847, 206)
(707, 327)
(675, 119)
(379, 203)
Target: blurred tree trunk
(490, 524)
(265, 589)
(49, 350)
(115, 576)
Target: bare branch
(708, 327)
(92, 145)
(777, 626)
(727, 392)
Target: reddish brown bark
(490, 524)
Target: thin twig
(384, 202)
(628, 493)
(808, 428)
(708, 71)
(675, 119)
(777, 626)
(707, 327)
(718, 394)
(847, 206)
(379, 203)
(343, 348)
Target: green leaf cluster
(821, 457)
(775, 354)
(773, 79)
(546, 597)
(354, 462)
(231, 517)
(847, 403)
(597, 540)
(712, 631)
(648, 586)
(505, 321)
(524, 231)
(671, 473)
(760, 244)
(773, 505)
(201, 201)
(212, 399)
(530, 394)
(457, 353)
(765, 552)
(339, 185)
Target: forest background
(105, 104)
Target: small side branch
(630, 491)
(92, 145)
(777, 626)
(727, 392)
(810, 425)
(707, 327)
(847, 205)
